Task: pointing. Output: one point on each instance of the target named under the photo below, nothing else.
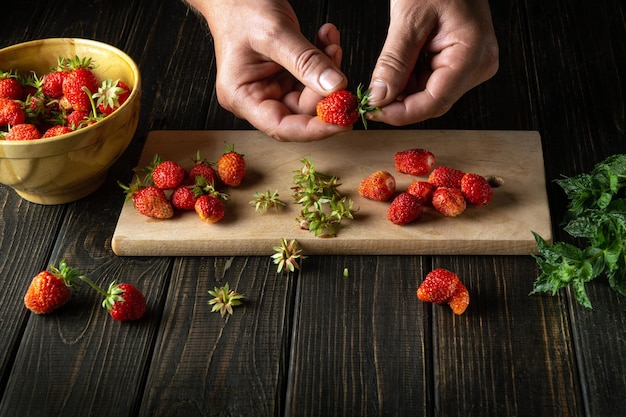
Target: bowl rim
(135, 91)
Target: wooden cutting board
(504, 226)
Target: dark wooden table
(313, 344)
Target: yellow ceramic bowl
(66, 168)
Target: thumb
(397, 60)
(311, 66)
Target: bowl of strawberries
(68, 110)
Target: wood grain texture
(361, 343)
(317, 343)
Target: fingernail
(378, 91)
(330, 79)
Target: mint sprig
(596, 213)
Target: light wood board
(504, 226)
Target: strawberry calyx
(224, 299)
(363, 98)
(68, 275)
(287, 256)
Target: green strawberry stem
(111, 296)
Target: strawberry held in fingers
(344, 108)
(50, 289)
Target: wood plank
(510, 353)
(501, 227)
(203, 361)
(361, 343)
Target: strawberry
(460, 299)
(442, 286)
(79, 84)
(149, 201)
(152, 202)
(124, 302)
(344, 108)
(56, 130)
(50, 290)
(183, 198)
(443, 176)
(11, 112)
(231, 167)
(10, 87)
(404, 209)
(111, 95)
(414, 161)
(210, 208)
(52, 85)
(167, 175)
(422, 190)
(449, 201)
(77, 119)
(378, 186)
(23, 131)
(438, 286)
(202, 168)
(476, 189)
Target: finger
(310, 65)
(277, 121)
(399, 55)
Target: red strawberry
(124, 302)
(476, 189)
(148, 200)
(183, 198)
(422, 190)
(344, 108)
(57, 130)
(79, 78)
(50, 290)
(23, 131)
(404, 209)
(446, 177)
(52, 85)
(209, 208)
(77, 119)
(111, 95)
(204, 169)
(10, 87)
(11, 112)
(152, 202)
(414, 161)
(378, 186)
(231, 167)
(449, 201)
(460, 299)
(438, 286)
(168, 175)
(442, 286)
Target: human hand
(458, 50)
(267, 72)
